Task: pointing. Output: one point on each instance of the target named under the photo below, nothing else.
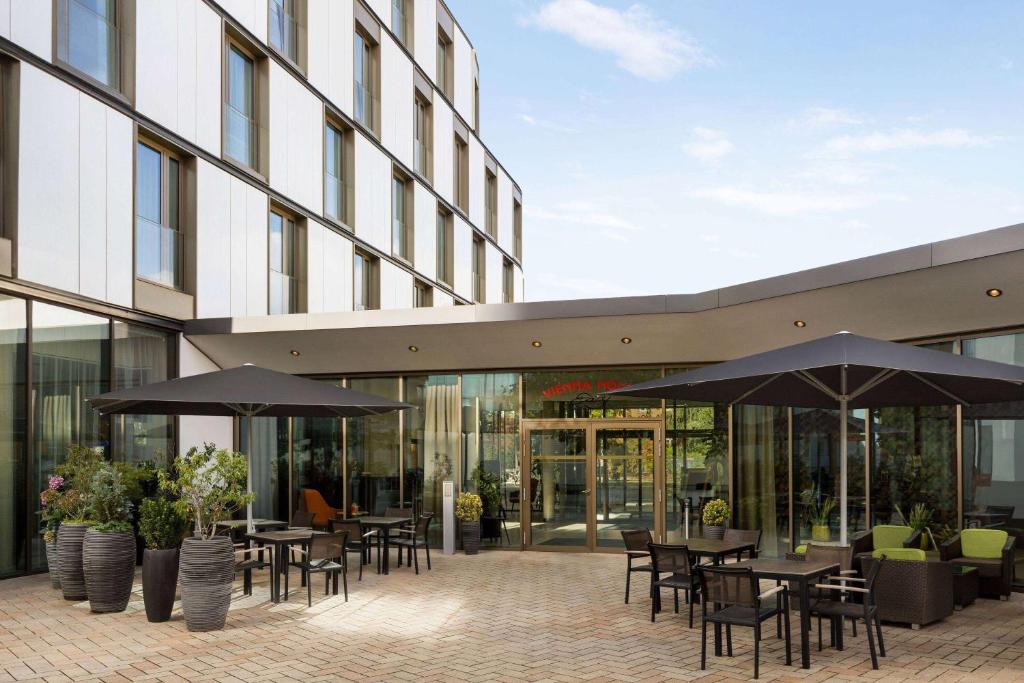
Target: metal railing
(89, 41)
(284, 31)
(240, 132)
(366, 103)
(284, 293)
(158, 253)
(422, 159)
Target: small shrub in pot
(468, 509)
(715, 517)
(108, 550)
(162, 527)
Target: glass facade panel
(316, 460)
(14, 522)
(696, 463)
(373, 446)
(284, 28)
(240, 137)
(624, 482)
(269, 457)
(88, 38)
(142, 356)
(334, 193)
(558, 481)
(431, 441)
(762, 475)
(575, 393)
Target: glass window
(517, 226)
(762, 475)
(14, 520)
(365, 96)
(459, 176)
(432, 441)
(575, 393)
(421, 132)
(334, 169)
(422, 295)
(284, 249)
(696, 463)
(479, 270)
(363, 282)
(399, 220)
(240, 108)
(373, 445)
(491, 199)
(269, 464)
(158, 237)
(142, 355)
(508, 286)
(70, 363)
(88, 38)
(284, 28)
(445, 247)
(316, 459)
(442, 65)
(399, 21)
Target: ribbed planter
(69, 559)
(206, 570)
(109, 562)
(51, 563)
(714, 532)
(159, 582)
(471, 537)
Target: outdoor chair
(675, 561)
(911, 589)
(991, 551)
(836, 609)
(838, 554)
(636, 542)
(358, 539)
(322, 512)
(731, 596)
(411, 540)
(744, 536)
(1002, 514)
(248, 559)
(302, 519)
(882, 537)
(325, 555)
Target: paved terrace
(497, 616)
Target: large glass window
(577, 393)
(762, 474)
(696, 463)
(364, 282)
(240, 107)
(508, 283)
(316, 459)
(70, 363)
(400, 20)
(142, 356)
(421, 137)
(491, 203)
(479, 270)
(158, 237)
(14, 521)
(444, 64)
(373, 446)
(88, 38)
(460, 174)
(285, 250)
(445, 247)
(431, 441)
(400, 242)
(285, 28)
(334, 174)
(365, 90)
(269, 458)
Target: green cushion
(900, 553)
(983, 543)
(889, 536)
(801, 550)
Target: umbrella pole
(843, 417)
(248, 476)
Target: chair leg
(655, 601)
(361, 563)
(878, 628)
(286, 573)
(728, 639)
(309, 593)
(819, 633)
(629, 571)
(757, 646)
(785, 617)
(327, 583)
(426, 547)
(344, 583)
(871, 646)
(415, 558)
(690, 600)
(853, 627)
(676, 597)
(703, 641)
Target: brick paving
(501, 616)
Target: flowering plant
(469, 507)
(52, 504)
(716, 512)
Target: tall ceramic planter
(159, 582)
(109, 562)
(471, 537)
(69, 559)
(715, 532)
(52, 563)
(206, 569)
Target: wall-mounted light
(799, 323)
(626, 340)
(994, 292)
(414, 349)
(536, 344)
(295, 353)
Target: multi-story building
(164, 161)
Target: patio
(497, 616)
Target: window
(401, 25)
(401, 217)
(285, 264)
(445, 247)
(365, 282)
(159, 245)
(91, 40)
(366, 81)
(421, 137)
(517, 226)
(337, 171)
(287, 29)
(422, 295)
(460, 174)
(479, 269)
(240, 107)
(508, 284)
(445, 65)
(476, 105)
(491, 203)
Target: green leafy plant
(108, 506)
(77, 471)
(716, 512)
(817, 511)
(469, 507)
(488, 487)
(209, 485)
(52, 511)
(161, 524)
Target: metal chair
(673, 560)
(358, 539)
(326, 555)
(414, 539)
(302, 519)
(752, 536)
(836, 609)
(636, 542)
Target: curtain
(757, 451)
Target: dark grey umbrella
(245, 391)
(843, 371)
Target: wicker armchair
(869, 541)
(915, 592)
(995, 574)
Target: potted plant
(163, 527)
(108, 551)
(818, 514)
(52, 513)
(715, 516)
(920, 520)
(488, 487)
(77, 471)
(468, 508)
(209, 485)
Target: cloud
(786, 202)
(708, 145)
(1006, 64)
(587, 286)
(826, 117)
(642, 44)
(907, 138)
(547, 125)
(583, 213)
(838, 172)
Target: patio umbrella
(843, 371)
(245, 391)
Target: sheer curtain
(761, 457)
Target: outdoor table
(965, 586)
(279, 562)
(233, 525)
(716, 549)
(802, 573)
(384, 525)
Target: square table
(802, 573)
(717, 549)
(965, 585)
(384, 525)
(279, 561)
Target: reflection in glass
(762, 475)
(624, 483)
(569, 394)
(373, 446)
(432, 441)
(696, 463)
(240, 111)
(142, 356)
(558, 482)
(269, 465)
(334, 193)
(89, 38)
(13, 518)
(316, 459)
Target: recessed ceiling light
(414, 349)
(536, 344)
(626, 340)
(799, 323)
(994, 292)
(295, 353)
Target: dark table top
(241, 523)
(787, 569)
(285, 536)
(371, 520)
(713, 546)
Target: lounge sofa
(991, 551)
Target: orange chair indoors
(316, 504)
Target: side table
(965, 585)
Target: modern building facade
(165, 161)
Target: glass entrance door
(589, 480)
